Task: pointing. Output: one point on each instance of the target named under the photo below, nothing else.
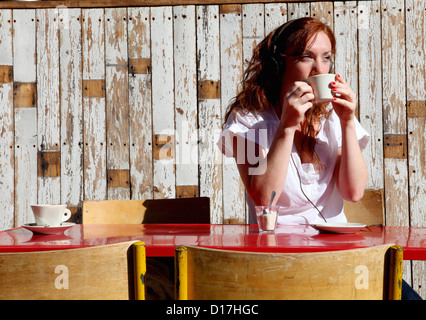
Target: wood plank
(324, 12)
(230, 8)
(275, 15)
(163, 101)
(187, 191)
(253, 25)
(6, 36)
(184, 210)
(416, 112)
(394, 77)
(94, 88)
(140, 109)
(345, 31)
(396, 195)
(209, 109)
(117, 104)
(369, 210)
(25, 94)
(394, 110)
(395, 146)
(71, 95)
(25, 164)
(416, 109)
(24, 40)
(49, 164)
(6, 73)
(253, 29)
(370, 90)
(93, 49)
(25, 119)
(94, 132)
(48, 115)
(164, 147)
(139, 66)
(118, 178)
(298, 10)
(116, 37)
(7, 143)
(208, 89)
(125, 3)
(231, 53)
(48, 108)
(186, 122)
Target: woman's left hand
(344, 101)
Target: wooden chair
(114, 271)
(369, 210)
(183, 210)
(211, 274)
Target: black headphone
(274, 63)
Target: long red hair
(262, 79)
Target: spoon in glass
(268, 209)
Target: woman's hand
(296, 102)
(344, 102)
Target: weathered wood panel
(163, 101)
(117, 102)
(24, 71)
(370, 89)
(48, 111)
(130, 100)
(346, 32)
(71, 95)
(185, 67)
(209, 108)
(231, 60)
(394, 115)
(416, 114)
(140, 109)
(94, 132)
(7, 167)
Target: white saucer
(48, 230)
(338, 227)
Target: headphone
(274, 63)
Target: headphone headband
(277, 34)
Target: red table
(162, 239)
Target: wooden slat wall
(127, 103)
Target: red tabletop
(162, 239)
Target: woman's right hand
(297, 100)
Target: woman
(309, 154)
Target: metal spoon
(267, 210)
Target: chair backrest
(114, 271)
(209, 274)
(182, 210)
(369, 210)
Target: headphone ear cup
(272, 66)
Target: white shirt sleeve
(259, 128)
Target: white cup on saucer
(321, 85)
(51, 215)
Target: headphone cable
(301, 188)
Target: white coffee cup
(321, 85)
(51, 215)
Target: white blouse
(318, 185)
